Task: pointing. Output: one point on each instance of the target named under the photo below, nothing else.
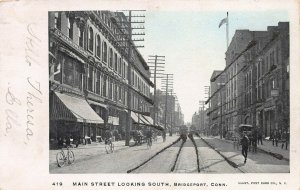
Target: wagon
(238, 134)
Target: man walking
(259, 136)
(245, 145)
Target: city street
(215, 156)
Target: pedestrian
(284, 139)
(277, 137)
(164, 136)
(245, 145)
(272, 137)
(259, 136)
(254, 140)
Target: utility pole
(131, 46)
(167, 82)
(157, 67)
(207, 92)
(201, 113)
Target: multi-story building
(173, 117)
(97, 76)
(236, 60)
(217, 102)
(257, 80)
(267, 81)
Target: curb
(276, 155)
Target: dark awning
(73, 108)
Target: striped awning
(73, 108)
(138, 118)
(149, 119)
(97, 103)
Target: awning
(149, 119)
(97, 103)
(73, 108)
(138, 118)
(113, 120)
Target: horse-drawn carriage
(238, 135)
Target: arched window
(98, 48)
(104, 52)
(91, 39)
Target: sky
(194, 46)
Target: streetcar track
(177, 155)
(196, 150)
(149, 159)
(231, 163)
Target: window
(80, 37)
(91, 39)
(98, 47)
(104, 86)
(120, 65)
(98, 82)
(57, 20)
(104, 52)
(277, 55)
(70, 28)
(116, 62)
(110, 58)
(72, 73)
(90, 79)
(124, 70)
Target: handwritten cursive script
(11, 115)
(32, 46)
(32, 98)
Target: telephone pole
(156, 64)
(130, 26)
(168, 85)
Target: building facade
(96, 75)
(256, 85)
(267, 82)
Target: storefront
(72, 116)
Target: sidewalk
(88, 150)
(84, 152)
(256, 162)
(268, 148)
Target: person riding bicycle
(149, 136)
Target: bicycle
(149, 143)
(109, 146)
(62, 158)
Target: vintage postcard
(165, 95)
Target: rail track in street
(181, 156)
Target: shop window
(91, 39)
